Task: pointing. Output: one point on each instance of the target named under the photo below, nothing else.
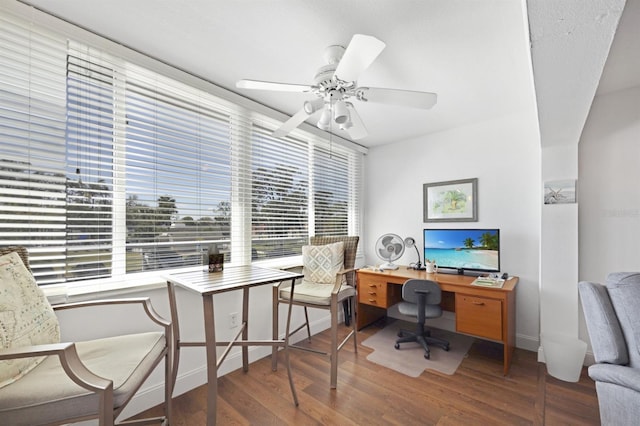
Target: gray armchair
(612, 315)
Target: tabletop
(231, 278)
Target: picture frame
(451, 201)
(560, 192)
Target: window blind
(89, 165)
(279, 195)
(109, 168)
(33, 146)
(178, 173)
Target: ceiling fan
(335, 85)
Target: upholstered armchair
(44, 381)
(612, 314)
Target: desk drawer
(375, 291)
(479, 316)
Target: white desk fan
(389, 247)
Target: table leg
(274, 326)
(286, 344)
(212, 369)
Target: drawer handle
(372, 300)
(372, 292)
(478, 303)
(372, 285)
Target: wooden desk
(209, 284)
(487, 313)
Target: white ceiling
(474, 54)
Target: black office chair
(421, 300)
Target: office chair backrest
(409, 291)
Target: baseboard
(528, 343)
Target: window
(108, 168)
(279, 195)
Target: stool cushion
(317, 294)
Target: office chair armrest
(69, 360)
(144, 301)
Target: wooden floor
(369, 394)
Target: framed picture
(560, 192)
(451, 201)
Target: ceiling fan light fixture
(346, 126)
(312, 106)
(340, 112)
(325, 120)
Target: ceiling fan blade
(297, 119)
(360, 53)
(408, 98)
(356, 130)
(269, 85)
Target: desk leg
(245, 330)
(212, 361)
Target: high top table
(208, 284)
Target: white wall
(608, 191)
(505, 157)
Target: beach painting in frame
(451, 201)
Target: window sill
(98, 289)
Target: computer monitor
(461, 250)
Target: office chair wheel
(397, 345)
(427, 355)
(400, 334)
(446, 348)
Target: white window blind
(108, 168)
(32, 145)
(178, 173)
(279, 194)
(89, 165)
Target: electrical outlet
(233, 320)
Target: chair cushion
(411, 309)
(26, 317)
(126, 360)
(604, 329)
(317, 294)
(322, 263)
